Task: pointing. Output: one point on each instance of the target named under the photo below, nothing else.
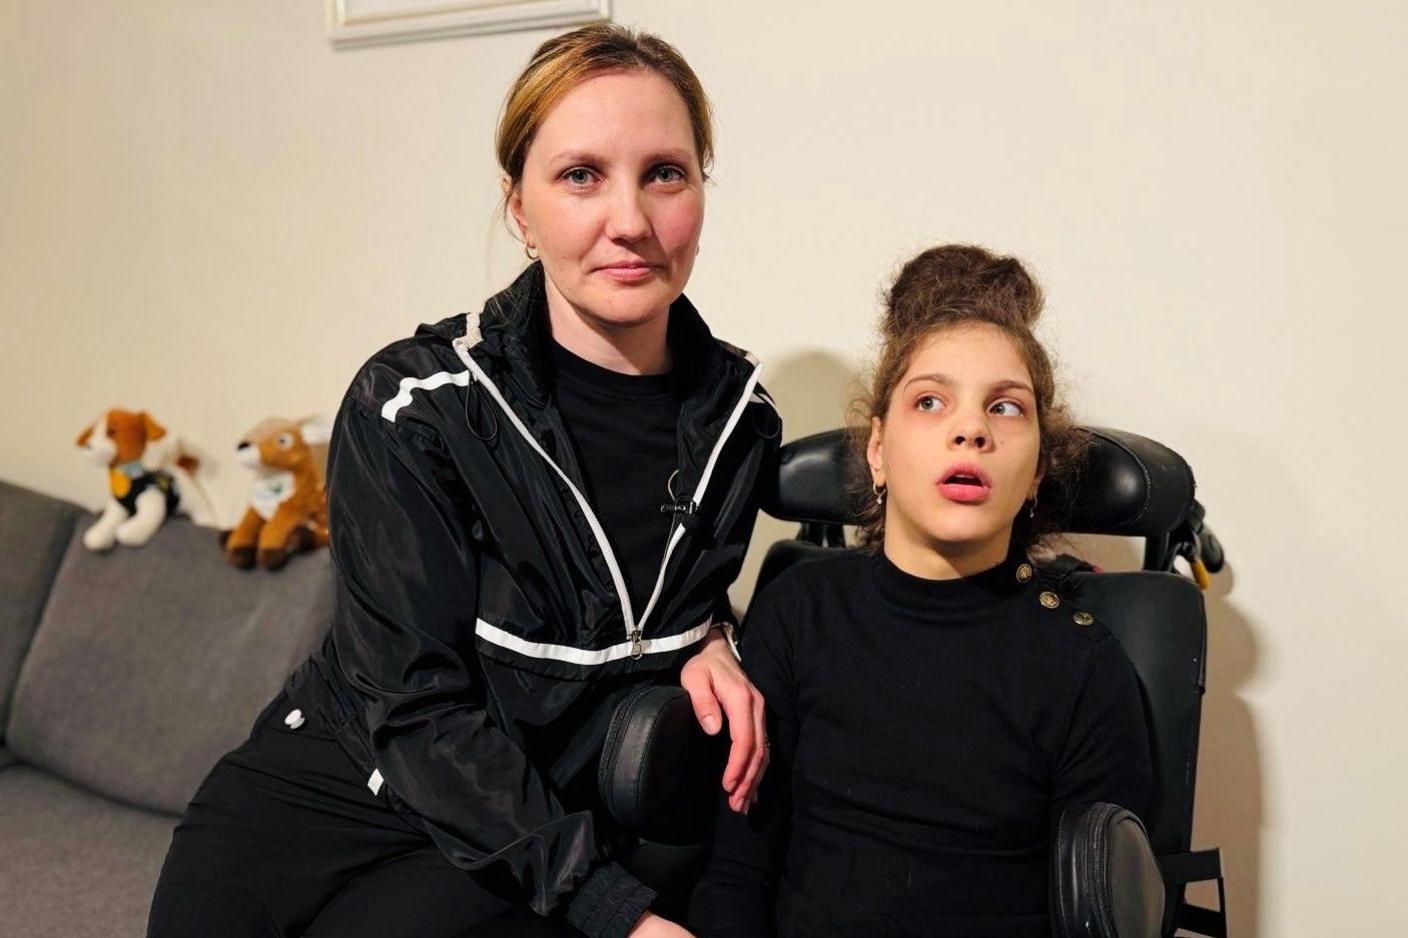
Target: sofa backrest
(150, 663)
(34, 531)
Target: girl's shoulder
(820, 579)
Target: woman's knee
(183, 908)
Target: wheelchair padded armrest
(1105, 882)
(659, 771)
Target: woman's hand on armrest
(714, 680)
(653, 926)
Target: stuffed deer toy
(288, 509)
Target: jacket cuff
(609, 903)
(726, 621)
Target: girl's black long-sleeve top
(924, 733)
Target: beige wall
(206, 212)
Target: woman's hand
(714, 680)
(653, 926)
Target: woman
(934, 702)
(533, 510)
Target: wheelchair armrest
(659, 771)
(658, 778)
(1105, 882)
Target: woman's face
(958, 450)
(612, 198)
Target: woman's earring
(528, 252)
(879, 491)
(1031, 512)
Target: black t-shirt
(923, 734)
(625, 430)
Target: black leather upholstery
(813, 474)
(1159, 619)
(1104, 880)
(785, 554)
(1131, 486)
(659, 771)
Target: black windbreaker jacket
(483, 633)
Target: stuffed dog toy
(149, 477)
(288, 509)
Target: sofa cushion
(150, 663)
(34, 530)
(74, 863)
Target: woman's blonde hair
(565, 61)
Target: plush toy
(288, 509)
(149, 478)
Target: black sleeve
(407, 572)
(1106, 752)
(737, 895)
(721, 611)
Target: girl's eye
(928, 403)
(578, 176)
(1007, 409)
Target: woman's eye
(928, 403)
(1007, 409)
(667, 174)
(578, 176)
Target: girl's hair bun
(960, 283)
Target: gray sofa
(123, 677)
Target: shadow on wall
(812, 390)
(1230, 810)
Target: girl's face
(958, 452)
(612, 197)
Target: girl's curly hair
(954, 285)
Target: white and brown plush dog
(148, 477)
(288, 509)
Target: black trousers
(285, 838)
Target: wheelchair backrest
(1159, 619)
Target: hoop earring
(528, 252)
(879, 491)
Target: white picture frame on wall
(353, 23)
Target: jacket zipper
(633, 628)
(678, 531)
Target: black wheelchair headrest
(1130, 486)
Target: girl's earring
(879, 491)
(1031, 512)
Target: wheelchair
(1132, 487)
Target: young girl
(505, 571)
(932, 701)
